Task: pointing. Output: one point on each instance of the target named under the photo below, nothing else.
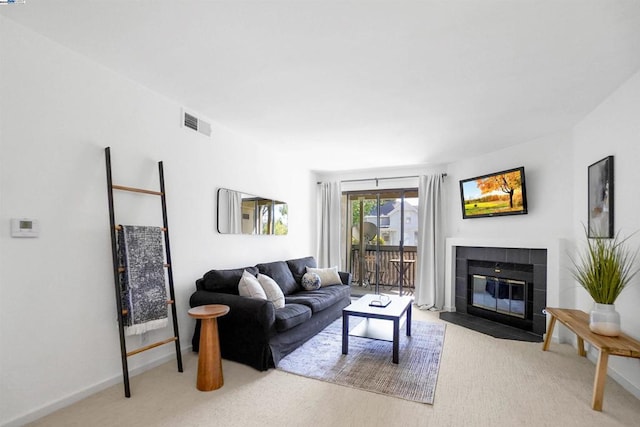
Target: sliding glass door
(381, 240)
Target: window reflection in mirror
(243, 213)
(280, 217)
(265, 215)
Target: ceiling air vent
(190, 121)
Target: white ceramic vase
(604, 320)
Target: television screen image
(495, 194)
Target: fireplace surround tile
(496, 330)
(519, 256)
(539, 322)
(515, 263)
(539, 256)
(495, 254)
(461, 267)
(539, 300)
(540, 277)
(461, 285)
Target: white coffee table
(382, 323)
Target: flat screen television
(495, 194)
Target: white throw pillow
(328, 276)
(272, 290)
(250, 287)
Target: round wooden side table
(209, 361)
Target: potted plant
(604, 269)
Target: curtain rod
(380, 179)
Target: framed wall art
(601, 198)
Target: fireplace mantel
(557, 295)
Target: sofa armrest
(244, 332)
(252, 313)
(345, 277)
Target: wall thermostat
(24, 227)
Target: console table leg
(547, 338)
(600, 380)
(581, 351)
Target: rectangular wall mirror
(243, 213)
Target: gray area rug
(368, 365)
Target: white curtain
(429, 292)
(235, 212)
(328, 224)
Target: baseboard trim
(86, 392)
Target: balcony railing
(389, 266)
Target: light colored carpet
(368, 365)
(483, 381)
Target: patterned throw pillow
(311, 281)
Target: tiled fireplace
(506, 285)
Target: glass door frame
(349, 197)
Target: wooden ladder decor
(121, 312)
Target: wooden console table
(578, 322)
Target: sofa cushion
(272, 290)
(279, 271)
(321, 298)
(225, 281)
(328, 276)
(249, 286)
(291, 315)
(299, 266)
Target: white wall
(547, 163)
(614, 129)
(58, 110)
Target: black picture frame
(600, 214)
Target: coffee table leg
(345, 333)
(409, 321)
(396, 340)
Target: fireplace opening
(504, 296)
(501, 291)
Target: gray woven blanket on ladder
(142, 283)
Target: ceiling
(362, 84)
